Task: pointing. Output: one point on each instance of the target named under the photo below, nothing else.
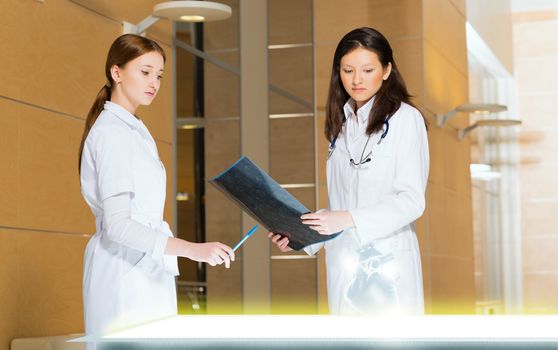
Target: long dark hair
(124, 49)
(388, 99)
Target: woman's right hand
(282, 243)
(213, 253)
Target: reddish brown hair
(123, 50)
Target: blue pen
(252, 230)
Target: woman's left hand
(328, 222)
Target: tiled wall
(435, 70)
(53, 66)
(536, 72)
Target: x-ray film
(267, 202)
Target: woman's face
(140, 79)
(362, 74)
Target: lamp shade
(481, 108)
(192, 11)
(498, 122)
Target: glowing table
(330, 332)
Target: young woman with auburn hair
(131, 260)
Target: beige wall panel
(291, 70)
(224, 227)
(50, 196)
(437, 146)
(443, 28)
(446, 86)
(457, 159)
(293, 286)
(292, 150)
(459, 215)
(394, 19)
(529, 77)
(219, 209)
(222, 34)
(540, 292)
(538, 111)
(439, 223)
(323, 61)
(532, 185)
(407, 53)
(9, 163)
(222, 97)
(453, 286)
(426, 281)
(323, 200)
(539, 253)
(461, 6)
(305, 196)
(278, 104)
(67, 77)
(534, 216)
(289, 22)
(543, 150)
(535, 39)
(450, 226)
(322, 145)
(322, 285)
(222, 149)
(223, 217)
(321, 159)
(479, 270)
(62, 77)
(224, 293)
(51, 297)
(120, 11)
(9, 297)
(43, 272)
(422, 230)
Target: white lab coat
(123, 286)
(384, 197)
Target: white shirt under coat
(384, 197)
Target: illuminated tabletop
(332, 332)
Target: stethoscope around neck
(363, 158)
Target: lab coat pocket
(132, 259)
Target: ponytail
(102, 97)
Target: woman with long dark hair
(377, 171)
(131, 261)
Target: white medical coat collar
(362, 113)
(123, 114)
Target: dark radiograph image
(267, 202)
